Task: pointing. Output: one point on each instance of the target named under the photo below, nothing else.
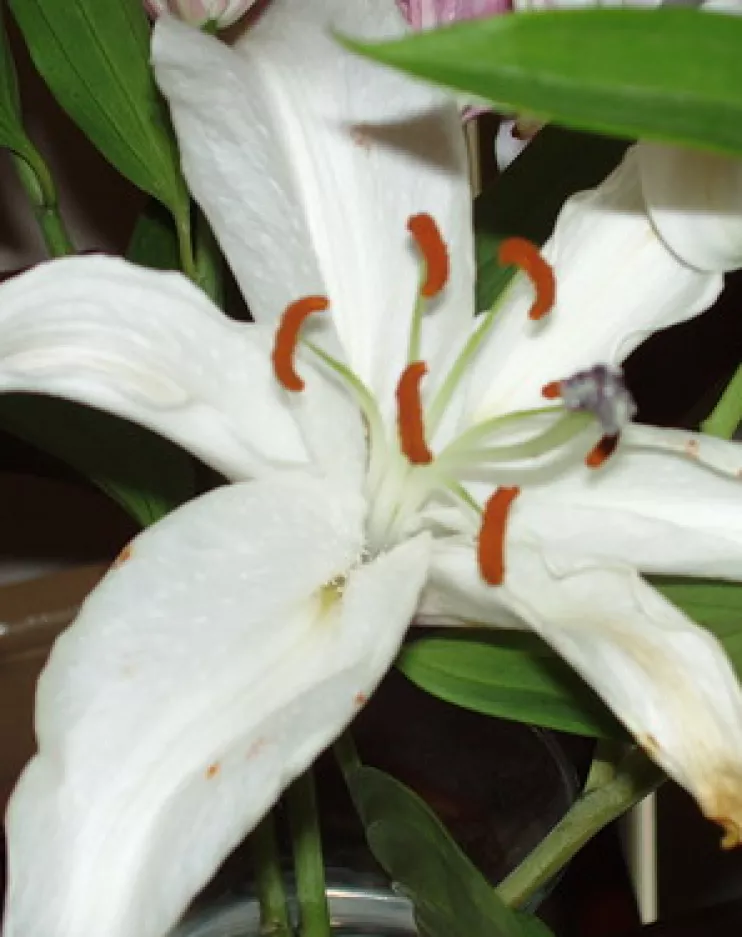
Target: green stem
(39, 187)
(607, 755)
(274, 918)
(634, 778)
(346, 754)
(209, 261)
(185, 246)
(727, 414)
(308, 860)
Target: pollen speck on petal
(287, 337)
(431, 245)
(491, 544)
(522, 253)
(123, 556)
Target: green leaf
(94, 56)
(9, 101)
(525, 200)
(668, 74)
(715, 605)
(12, 133)
(154, 242)
(451, 897)
(147, 475)
(517, 676)
(510, 675)
(533, 927)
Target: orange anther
(491, 545)
(287, 337)
(552, 390)
(603, 450)
(435, 253)
(524, 254)
(410, 415)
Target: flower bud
(426, 14)
(222, 13)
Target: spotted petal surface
(205, 672)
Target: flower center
(403, 472)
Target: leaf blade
(147, 475)
(94, 55)
(666, 74)
(451, 897)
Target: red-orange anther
(410, 415)
(552, 390)
(603, 450)
(491, 545)
(287, 337)
(523, 254)
(435, 253)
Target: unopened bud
(426, 14)
(220, 13)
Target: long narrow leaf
(94, 55)
(668, 74)
(147, 475)
(451, 897)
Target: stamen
(435, 253)
(524, 254)
(552, 390)
(410, 415)
(603, 450)
(287, 338)
(491, 545)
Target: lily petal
(616, 284)
(205, 673)
(308, 162)
(149, 346)
(668, 680)
(659, 511)
(695, 202)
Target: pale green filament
(460, 365)
(368, 406)
(560, 433)
(472, 440)
(416, 326)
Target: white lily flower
(237, 637)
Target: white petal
(661, 512)
(721, 455)
(455, 593)
(309, 161)
(616, 284)
(668, 680)
(204, 673)
(695, 201)
(150, 347)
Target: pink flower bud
(199, 12)
(425, 14)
